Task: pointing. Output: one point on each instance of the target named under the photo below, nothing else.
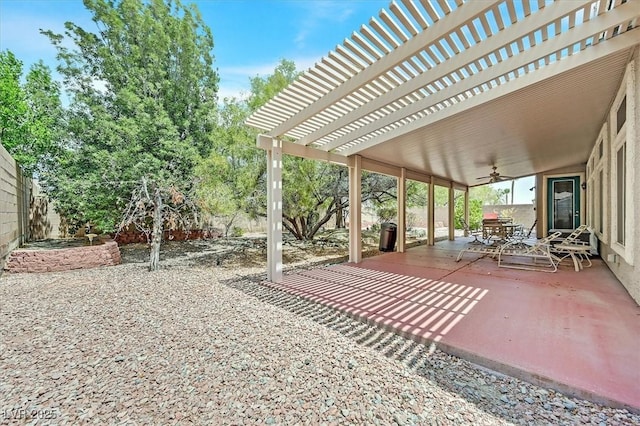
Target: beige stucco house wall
(610, 200)
(613, 176)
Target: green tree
(506, 193)
(417, 195)
(233, 177)
(263, 89)
(142, 112)
(487, 194)
(30, 114)
(313, 191)
(13, 105)
(230, 177)
(475, 213)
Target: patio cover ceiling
(448, 88)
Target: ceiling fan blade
(495, 177)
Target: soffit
(542, 127)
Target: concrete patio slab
(576, 332)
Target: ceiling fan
(494, 176)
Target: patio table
(502, 231)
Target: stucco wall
(523, 214)
(44, 222)
(626, 270)
(15, 192)
(629, 272)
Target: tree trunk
(303, 227)
(513, 186)
(339, 217)
(291, 225)
(320, 223)
(156, 236)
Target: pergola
(438, 91)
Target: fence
(520, 213)
(15, 198)
(43, 220)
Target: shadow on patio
(576, 332)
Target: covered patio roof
(448, 88)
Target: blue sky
(251, 36)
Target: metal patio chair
(572, 247)
(474, 233)
(536, 257)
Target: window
(600, 204)
(621, 176)
(621, 114)
(600, 150)
(619, 193)
(597, 172)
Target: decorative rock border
(29, 260)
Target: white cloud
(229, 92)
(247, 70)
(300, 38)
(320, 13)
(234, 81)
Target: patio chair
(573, 237)
(479, 249)
(532, 228)
(536, 257)
(471, 232)
(521, 234)
(571, 247)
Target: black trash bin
(388, 236)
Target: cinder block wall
(15, 194)
(44, 221)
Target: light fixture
(583, 185)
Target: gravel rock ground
(210, 345)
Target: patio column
(355, 209)
(431, 216)
(402, 209)
(466, 211)
(452, 212)
(274, 211)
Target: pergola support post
(274, 211)
(466, 212)
(402, 209)
(431, 214)
(355, 209)
(452, 213)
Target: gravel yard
(206, 344)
